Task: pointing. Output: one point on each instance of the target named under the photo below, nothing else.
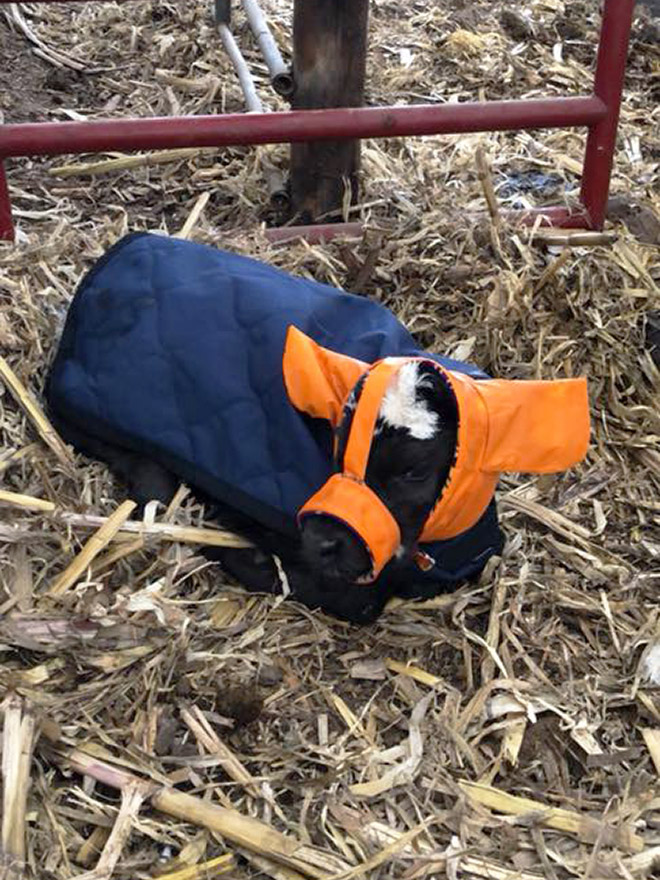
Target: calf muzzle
(351, 502)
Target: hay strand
(128, 163)
(33, 412)
(93, 546)
(15, 499)
(17, 744)
(162, 531)
(584, 827)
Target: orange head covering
(503, 426)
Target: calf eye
(414, 474)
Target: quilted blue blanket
(174, 350)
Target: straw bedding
(508, 730)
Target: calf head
(412, 449)
(419, 450)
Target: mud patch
(22, 78)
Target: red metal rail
(599, 113)
(54, 138)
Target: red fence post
(6, 225)
(608, 86)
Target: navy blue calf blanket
(174, 350)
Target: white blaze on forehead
(401, 407)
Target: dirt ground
(507, 730)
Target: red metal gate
(599, 112)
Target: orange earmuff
(504, 426)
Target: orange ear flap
(535, 427)
(318, 380)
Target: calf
(306, 419)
